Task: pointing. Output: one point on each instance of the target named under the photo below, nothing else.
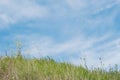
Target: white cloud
(111, 51)
(106, 6)
(15, 10)
(77, 4)
(109, 56)
(5, 20)
(46, 46)
(92, 5)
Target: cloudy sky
(67, 30)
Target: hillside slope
(19, 68)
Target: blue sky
(64, 29)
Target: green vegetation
(19, 68)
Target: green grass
(20, 68)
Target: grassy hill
(19, 68)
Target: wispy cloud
(5, 20)
(77, 4)
(109, 5)
(12, 11)
(46, 46)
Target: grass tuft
(20, 68)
